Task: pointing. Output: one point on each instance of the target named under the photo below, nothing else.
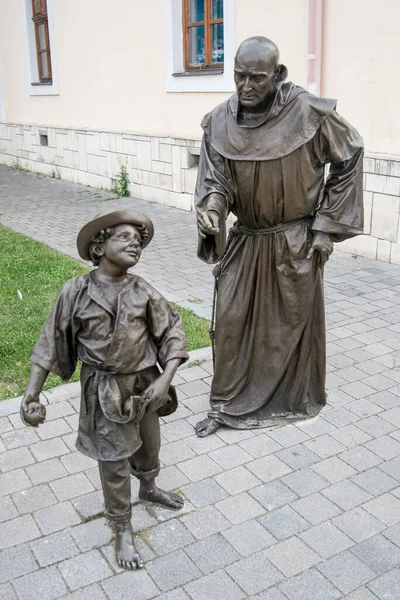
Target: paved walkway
(305, 512)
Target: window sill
(50, 82)
(199, 72)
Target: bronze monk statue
(263, 159)
(119, 327)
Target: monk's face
(123, 248)
(255, 71)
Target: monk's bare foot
(125, 551)
(152, 493)
(206, 427)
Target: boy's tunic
(119, 349)
(270, 329)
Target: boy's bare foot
(150, 492)
(207, 427)
(125, 551)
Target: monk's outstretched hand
(208, 223)
(323, 244)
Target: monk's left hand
(154, 396)
(323, 244)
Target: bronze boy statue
(119, 327)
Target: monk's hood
(293, 120)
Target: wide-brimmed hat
(111, 219)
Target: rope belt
(238, 229)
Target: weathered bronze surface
(263, 159)
(119, 327)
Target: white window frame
(35, 87)
(176, 80)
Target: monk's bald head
(256, 71)
(258, 48)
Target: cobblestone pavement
(309, 511)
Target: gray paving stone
(27, 501)
(202, 493)
(71, 486)
(19, 437)
(386, 447)
(49, 449)
(260, 445)
(387, 586)
(334, 469)
(292, 556)
(173, 570)
(205, 522)
(346, 571)
(53, 429)
(89, 505)
(175, 452)
(255, 573)
(76, 461)
(392, 468)
(54, 548)
(177, 430)
(346, 494)
(178, 594)
(18, 531)
(310, 585)
(46, 584)
(325, 446)
(297, 457)
(91, 535)
(268, 468)
(358, 524)
(289, 435)
(57, 517)
(142, 519)
(234, 436)
(13, 459)
(361, 594)
(364, 408)
(231, 456)
(375, 426)
(6, 592)
(84, 569)
(168, 537)
(249, 537)
(393, 534)
(360, 458)
(386, 508)
(340, 417)
(351, 436)
(270, 594)
(15, 562)
(46, 471)
(240, 508)
(199, 468)
(284, 523)
(58, 410)
(212, 553)
(171, 478)
(326, 539)
(337, 397)
(194, 388)
(7, 509)
(375, 481)
(204, 445)
(5, 425)
(305, 482)
(217, 586)
(273, 494)
(316, 426)
(124, 585)
(13, 481)
(237, 480)
(378, 553)
(316, 508)
(92, 592)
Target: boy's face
(123, 248)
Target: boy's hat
(102, 221)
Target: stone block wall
(164, 170)
(161, 169)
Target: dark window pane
(196, 45)
(42, 36)
(217, 9)
(43, 63)
(217, 42)
(196, 10)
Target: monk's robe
(270, 327)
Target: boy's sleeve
(166, 329)
(55, 349)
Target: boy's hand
(154, 396)
(32, 412)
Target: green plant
(55, 173)
(16, 166)
(122, 181)
(195, 300)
